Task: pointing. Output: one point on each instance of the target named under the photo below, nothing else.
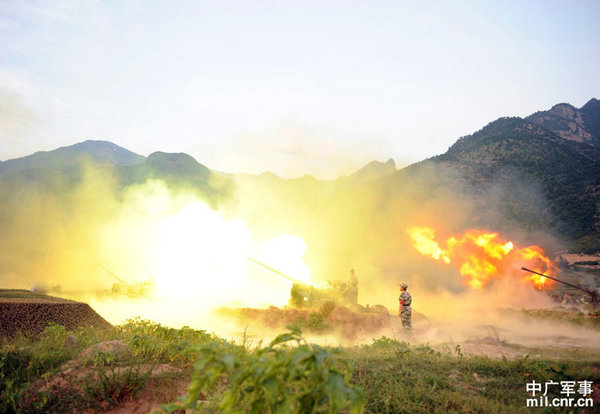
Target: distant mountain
(374, 170)
(175, 169)
(541, 173)
(568, 122)
(590, 113)
(60, 171)
(97, 152)
(176, 163)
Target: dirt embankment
(30, 313)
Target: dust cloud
(363, 226)
(62, 233)
(50, 227)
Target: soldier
(405, 311)
(351, 292)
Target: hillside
(566, 171)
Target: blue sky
(294, 87)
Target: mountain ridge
(97, 151)
(536, 150)
(563, 120)
(567, 171)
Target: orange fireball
(482, 256)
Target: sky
(292, 87)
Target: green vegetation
(153, 342)
(31, 369)
(302, 378)
(23, 361)
(75, 371)
(400, 378)
(315, 323)
(589, 113)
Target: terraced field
(31, 312)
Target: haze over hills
(97, 152)
(574, 124)
(536, 180)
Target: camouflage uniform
(405, 309)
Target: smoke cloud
(58, 228)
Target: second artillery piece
(594, 294)
(132, 290)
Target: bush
(153, 342)
(288, 376)
(24, 360)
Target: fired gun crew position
(594, 294)
(132, 290)
(338, 292)
(303, 295)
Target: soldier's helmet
(404, 285)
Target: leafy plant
(154, 342)
(25, 359)
(314, 323)
(458, 351)
(287, 376)
(385, 342)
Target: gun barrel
(560, 281)
(111, 273)
(274, 270)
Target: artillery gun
(336, 293)
(594, 294)
(132, 290)
(333, 308)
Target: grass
(27, 365)
(399, 378)
(386, 376)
